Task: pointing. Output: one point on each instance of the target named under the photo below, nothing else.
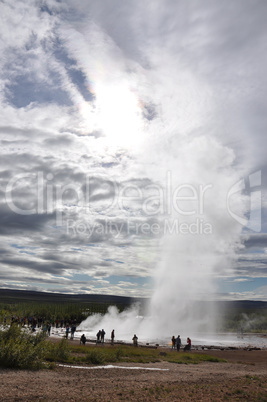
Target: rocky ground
(243, 377)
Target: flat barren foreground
(243, 377)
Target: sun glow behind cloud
(115, 115)
(118, 114)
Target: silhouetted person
(173, 342)
(135, 339)
(98, 335)
(102, 336)
(83, 339)
(112, 337)
(188, 345)
(72, 332)
(178, 343)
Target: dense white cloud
(101, 105)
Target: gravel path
(244, 377)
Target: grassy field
(131, 354)
(19, 349)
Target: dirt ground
(243, 377)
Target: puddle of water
(109, 366)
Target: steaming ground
(128, 323)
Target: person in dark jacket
(178, 343)
(173, 342)
(102, 336)
(98, 335)
(135, 339)
(83, 339)
(112, 337)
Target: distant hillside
(17, 296)
(243, 304)
(20, 296)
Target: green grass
(58, 352)
(194, 358)
(20, 349)
(130, 354)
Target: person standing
(98, 336)
(73, 330)
(173, 342)
(112, 337)
(102, 336)
(178, 343)
(135, 339)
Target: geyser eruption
(200, 238)
(198, 244)
(191, 171)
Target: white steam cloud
(194, 173)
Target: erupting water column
(200, 238)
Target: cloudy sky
(133, 146)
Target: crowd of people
(70, 328)
(100, 337)
(38, 322)
(43, 324)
